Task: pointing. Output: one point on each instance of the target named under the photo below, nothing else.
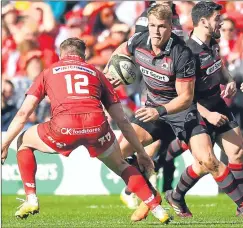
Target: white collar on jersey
(148, 40)
(197, 39)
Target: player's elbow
(22, 116)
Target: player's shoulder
(193, 46)
(179, 45)
(138, 38)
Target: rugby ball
(123, 68)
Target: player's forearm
(225, 77)
(179, 104)
(15, 127)
(120, 50)
(130, 135)
(202, 110)
(116, 112)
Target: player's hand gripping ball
(121, 67)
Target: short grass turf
(108, 211)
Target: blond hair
(161, 12)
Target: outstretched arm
(17, 124)
(116, 112)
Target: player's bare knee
(199, 168)
(211, 165)
(236, 156)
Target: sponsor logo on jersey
(204, 59)
(189, 69)
(143, 21)
(73, 131)
(168, 46)
(58, 144)
(142, 57)
(165, 66)
(214, 67)
(155, 75)
(60, 69)
(130, 40)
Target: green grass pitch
(108, 211)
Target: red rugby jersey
(74, 86)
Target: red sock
(229, 185)
(27, 167)
(137, 184)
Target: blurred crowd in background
(33, 31)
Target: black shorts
(221, 108)
(183, 125)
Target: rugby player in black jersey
(221, 124)
(168, 69)
(156, 150)
(142, 21)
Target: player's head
(164, 2)
(72, 46)
(206, 16)
(159, 24)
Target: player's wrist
(161, 110)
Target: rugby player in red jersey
(76, 91)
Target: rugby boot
(29, 206)
(179, 207)
(239, 211)
(143, 210)
(130, 200)
(160, 213)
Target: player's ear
(204, 22)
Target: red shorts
(65, 133)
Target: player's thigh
(153, 148)
(30, 138)
(143, 136)
(113, 159)
(232, 143)
(201, 148)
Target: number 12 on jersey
(77, 83)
